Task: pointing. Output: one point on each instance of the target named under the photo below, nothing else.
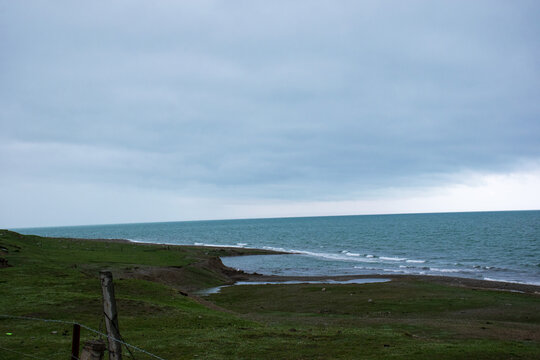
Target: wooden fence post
(93, 350)
(111, 315)
(75, 342)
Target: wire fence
(128, 346)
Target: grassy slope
(58, 279)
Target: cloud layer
(301, 100)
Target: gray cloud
(268, 99)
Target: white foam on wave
(330, 256)
(218, 245)
(321, 255)
(365, 268)
(416, 261)
(150, 242)
(388, 258)
(348, 253)
(445, 270)
(407, 267)
(276, 249)
(513, 281)
(396, 271)
(138, 241)
(487, 267)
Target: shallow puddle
(217, 289)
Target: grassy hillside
(408, 318)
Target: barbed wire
(84, 327)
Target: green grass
(406, 319)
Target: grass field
(405, 318)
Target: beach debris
(54, 332)
(9, 334)
(323, 289)
(370, 300)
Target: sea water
(501, 246)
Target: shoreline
(441, 279)
(239, 275)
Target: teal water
(484, 245)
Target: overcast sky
(132, 111)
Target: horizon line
(270, 218)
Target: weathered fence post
(93, 350)
(75, 342)
(111, 316)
